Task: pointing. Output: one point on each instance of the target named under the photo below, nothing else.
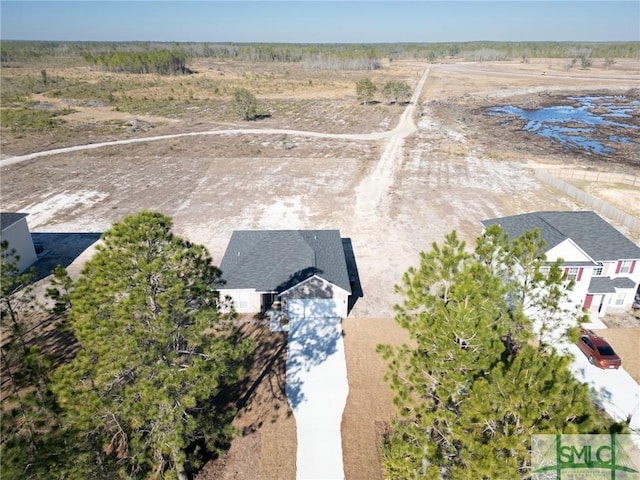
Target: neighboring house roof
(275, 260)
(597, 238)
(9, 218)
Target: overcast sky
(321, 21)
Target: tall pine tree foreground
(476, 379)
(29, 419)
(155, 351)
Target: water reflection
(575, 126)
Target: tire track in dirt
(237, 131)
(373, 188)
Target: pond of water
(576, 126)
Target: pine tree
(31, 431)
(396, 91)
(59, 290)
(365, 89)
(470, 388)
(245, 104)
(537, 289)
(155, 351)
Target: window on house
(544, 271)
(243, 301)
(620, 298)
(572, 274)
(597, 271)
(625, 266)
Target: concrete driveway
(614, 390)
(317, 389)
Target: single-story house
(15, 232)
(304, 272)
(603, 262)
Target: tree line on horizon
(346, 56)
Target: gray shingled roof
(601, 285)
(623, 282)
(600, 240)
(9, 218)
(275, 260)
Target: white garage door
(312, 308)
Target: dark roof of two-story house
(596, 237)
(276, 260)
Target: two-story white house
(604, 263)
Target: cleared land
(458, 168)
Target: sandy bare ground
(369, 406)
(392, 192)
(618, 338)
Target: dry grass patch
(290, 96)
(625, 342)
(369, 404)
(625, 197)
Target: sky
(423, 21)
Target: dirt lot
(391, 197)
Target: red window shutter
(587, 301)
(579, 274)
(618, 267)
(633, 264)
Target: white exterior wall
(581, 287)
(250, 301)
(19, 238)
(635, 275)
(569, 252)
(341, 297)
(608, 268)
(601, 301)
(318, 288)
(629, 292)
(610, 299)
(244, 300)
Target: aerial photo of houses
(285, 240)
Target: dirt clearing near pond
(455, 170)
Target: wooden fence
(596, 204)
(595, 176)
